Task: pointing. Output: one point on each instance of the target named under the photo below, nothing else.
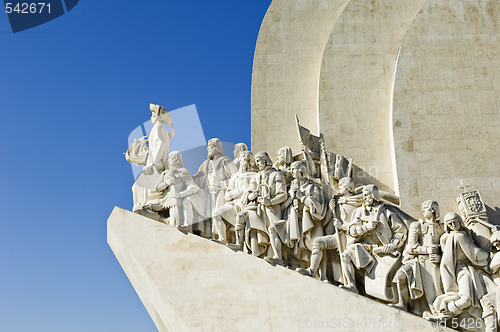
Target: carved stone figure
(143, 189)
(343, 205)
(182, 197)
(225, 216)
(473, 212)
(238, 148)
(462, 284)
(307, 208)
(374, 232)
(280, 213)
(213, 177)
(283, 163)
(419, 281)
(262, 202)
(490, 302)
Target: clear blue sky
(71, 91)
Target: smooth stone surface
(446, 115)
(188, 283)
(286, 70)
(356, 82)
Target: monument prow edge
(188, 283)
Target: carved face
(212, 149)
(260, 161)
(236, 151)
(343, 187)
(453, 224)
(297, 172)
(173, 161)
(428, 211)
(154, 118)
(368, 197)
(281, 156)
(244, 163)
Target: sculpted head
(247, 161)
(346, 186)
(453, 222)
(262, 160)
(495, 240)
(214, 147)
(159, 114)
(175, 159)
(239, 148)
(430, 209)
(285, 156)
(371, 194)
(299, 169)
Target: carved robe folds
(422, 275)
(373, 230)
(267, 184)
(304, 222)
(362, 240)
(238, 184)
(213, 177)
(182, 191)
(461, 281)
(144, 189)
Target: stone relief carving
(418, 281)
(213, 178)
(238, 148)
(152, 157)
(305, 212)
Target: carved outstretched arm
(399, 232)
(170, 135)
(232, 192)
(358, 228)
(191, 187)
(414, 247)
(280, 190)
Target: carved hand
(388, 248)
(372, 224)
(435, 258)
(332, 204)
(265, 201)
(432, 250)
(252, 196)
(337, 223)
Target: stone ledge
(188, 283)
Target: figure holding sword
(373, 225)
(342, 206)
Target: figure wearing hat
(144, 189)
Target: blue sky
(71, 91)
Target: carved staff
(305, 136)
(325, 165)
(340, 243)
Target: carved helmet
(434, 205)
(374, 191)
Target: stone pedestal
(188, 283)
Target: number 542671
(27, 8)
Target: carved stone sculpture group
(305, 212)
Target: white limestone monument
(369, 197)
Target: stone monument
(398, 105)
